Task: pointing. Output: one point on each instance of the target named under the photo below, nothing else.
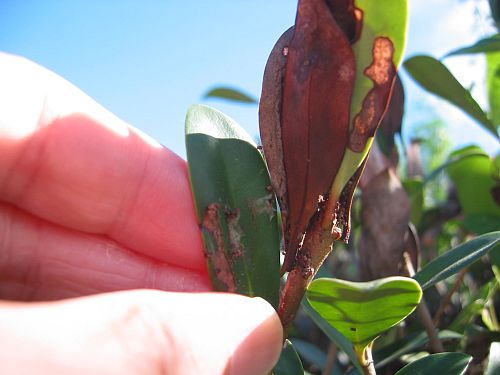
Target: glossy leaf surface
(289, 362)
(235, 208)
(433, 76)
(362, 311)
(493, 367)
(231, 94)
(456, 259)
(441, 363)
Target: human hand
(90, 205)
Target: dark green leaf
(493, 360)
(491, 44)
(231, 94)
(314, 355)
(408, 344)
(333, 334)
(433, 76)
(456, 259)
(289, 362)
(441, 363)
(362, 311)
(235, 209)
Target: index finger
(67, 160)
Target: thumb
(140, 332)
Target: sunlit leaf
(493, 367)
(235, 208)
(440, 363)
(456, 259)
(433, 76)
(361, 311)
(231, 94)
(487, 45)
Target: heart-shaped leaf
(361, 311)
(235, 207)
(441, 363)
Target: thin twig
(423, 312)
(444, 303)
(330, 359)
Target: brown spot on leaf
(235, 233)
(217, 255)
(381, 72)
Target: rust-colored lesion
(218, 256)
(382, 72)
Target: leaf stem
(315, 248)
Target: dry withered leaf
(317, 89)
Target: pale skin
(101, 262)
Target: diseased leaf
(319, 71)
(456, 259)
(378, 53)
(486, 45)
(235, 207)
(289, 362)
(231, 94)
(362, 311)
(440, 363)
(433, 76)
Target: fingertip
(260, 351)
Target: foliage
(454, 235)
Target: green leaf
(493, 84)
(475, 177)
(408, 344)
(289, 362)
(486, 45)
(362, 311)
(231, 94)
(332, 333)
(441, 363)
(312, 354)
(456, 259)
(235, 209)
(493, 360)
(433, 76)
(387, 19)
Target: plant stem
(330, 359)
(365, 358)
(423, 312)
(447, 300)
(316, 247)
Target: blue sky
(147, 61)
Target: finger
(43, 261)
(67, 160)
(141, 332)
